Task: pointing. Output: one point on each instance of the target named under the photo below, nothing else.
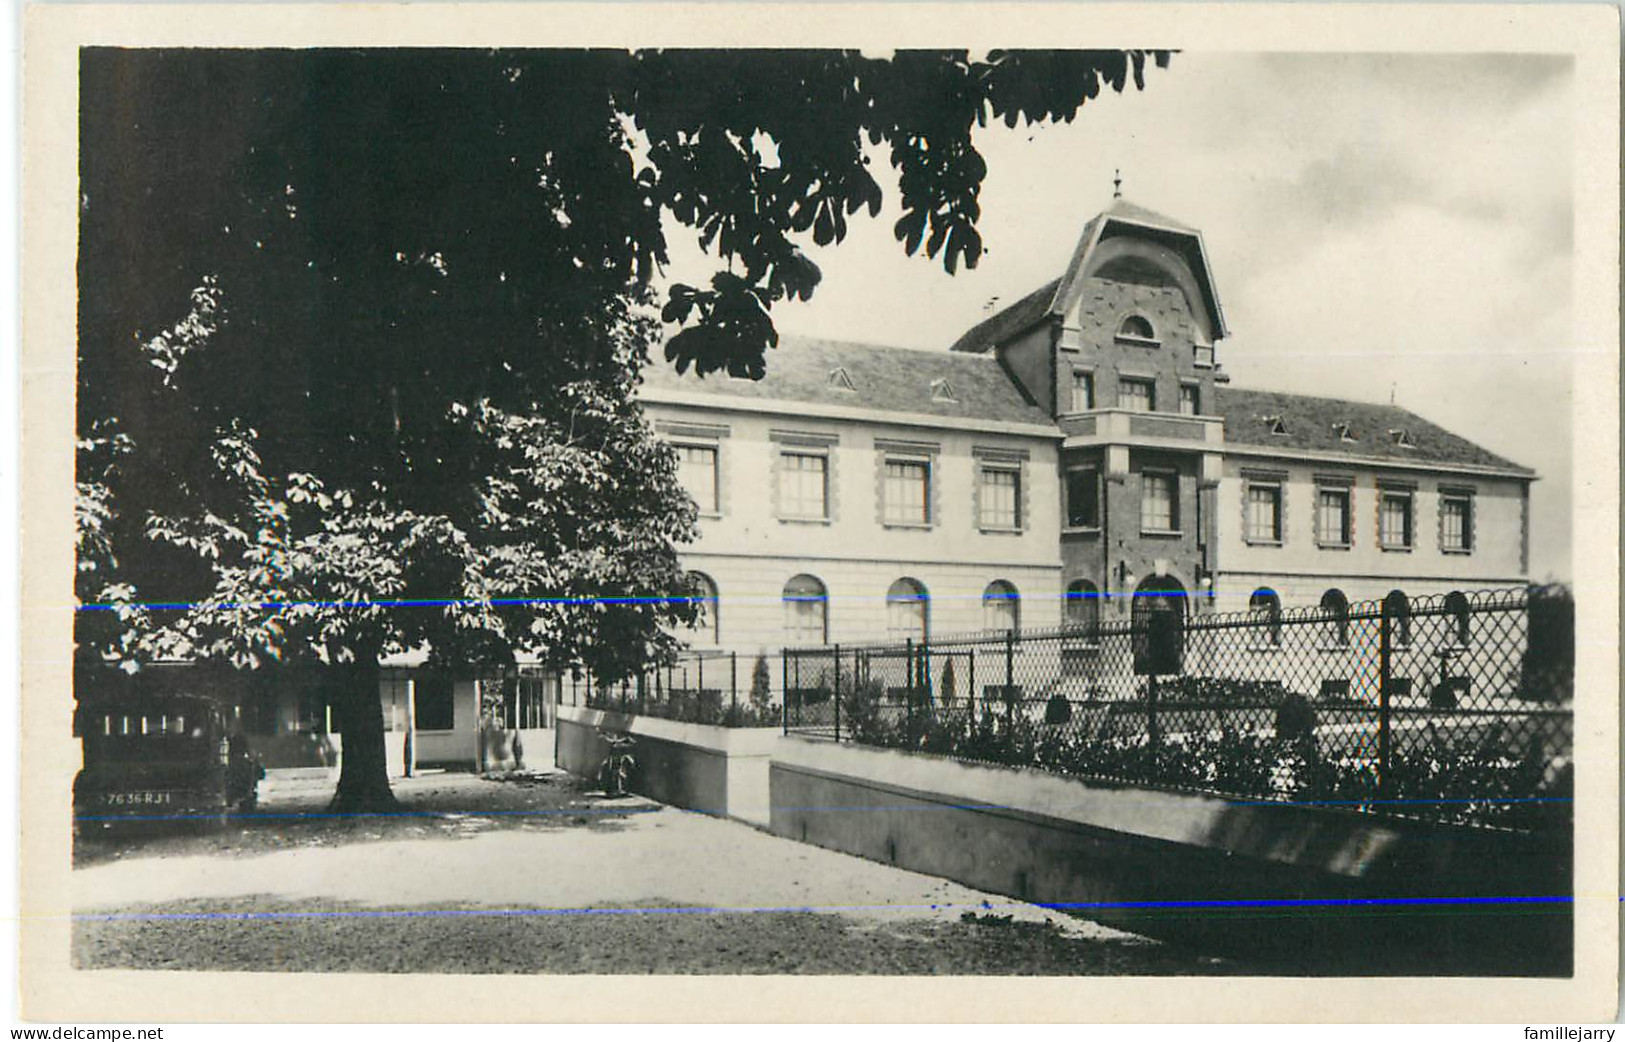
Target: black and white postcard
(820, 509)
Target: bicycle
(615, 773)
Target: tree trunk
(363, 774)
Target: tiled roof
(1050, 298)
(1314, 424)
(1125, 210)
(1021, 315)
(883, 380)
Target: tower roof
(1052, 300)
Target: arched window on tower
(1136, 327)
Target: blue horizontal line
(446, 602)
(326, 815)
(424, 913)
(560, 812)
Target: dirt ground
(534, 873)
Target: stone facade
(1139, 468)
(751, 548)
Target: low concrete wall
(716, 770)
(1291, 887)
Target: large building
(1082, 444)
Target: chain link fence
(1451, 708)
(721, 688)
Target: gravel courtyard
(535, 874)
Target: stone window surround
(705, 436)
(1463, 493)
(1396, 487)
(1343, 483)
(891, 450)
(805, 443)
(1276, 479)
(995, 458)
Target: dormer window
(1137, 329)
(1343, 432)
(840, 379)
(943, 391)
(1276, 425)
(1401, 438)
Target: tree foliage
(370, 323)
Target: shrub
(760, 685)
(1294, 719)
(1225, 691)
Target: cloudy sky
(1377, 224)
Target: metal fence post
(836, 694)
(1384, 671)
(1153, 728)
(784, 688)
(908, 683)
(733, 680)
(970, 692)
(1009, 679)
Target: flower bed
(1475, 775)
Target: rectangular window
(1158, 509)
(803, 486)
(1394, 521)
(1137, 395)
(1083, 390)
(432, 703)
(907, 492)
(1001, 498)
(1083, 498)
(697, 470)
(1332, 517)
(1190, 400)
(1456, 523)
(1263, 513)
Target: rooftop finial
(1117, 184)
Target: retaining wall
(1295, 889)
(716, 770)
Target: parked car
(160, 757)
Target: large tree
(363, 328)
